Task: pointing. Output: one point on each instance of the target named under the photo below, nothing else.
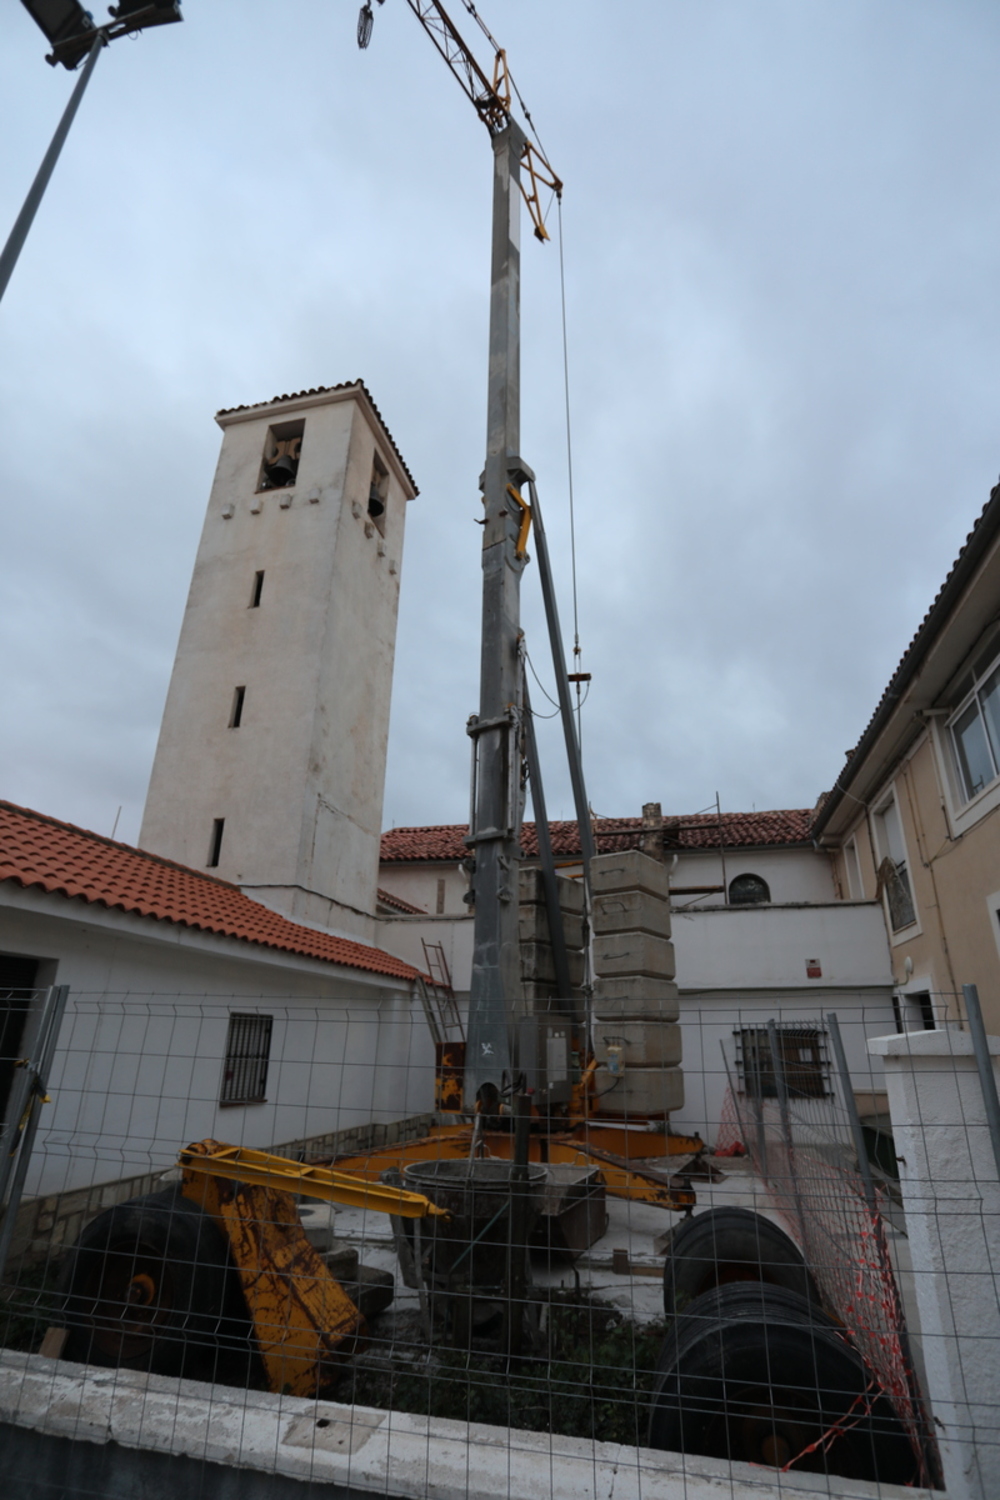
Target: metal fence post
(984, 1063)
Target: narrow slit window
(248, 1053)
(236, 717)
(440, 897)
(257, 590)
(215, 848)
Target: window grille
(248, 1051)
(802, 1054)
(749, 890)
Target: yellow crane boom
(491, 98)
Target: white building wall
(405, 936)
(792, 875)
(763, 947)
(139, 1068)
(710, 1020)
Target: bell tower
(270, 765)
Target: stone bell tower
(270, 765)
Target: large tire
(759, 1374)
(724, 1245)
(150, 1285)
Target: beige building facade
(914, 818)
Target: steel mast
(496, 731)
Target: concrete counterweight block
(533, 925)
(650, 1044)
(633, 954)
(531, 890)
(639, 1092)
(538, 964)
(631, 911)
(635, 998)
(629, 872)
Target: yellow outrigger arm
(260, 1169)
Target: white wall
(762, 947)
(709, 1021)
(402, 936)
(418, 884)
(791, 874)
(139, 1066)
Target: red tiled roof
(321, 390)
(611, 835)
(42, 853)
(386, 898)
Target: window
(748, 890)
(378, 490)
(802, 1059)
(248, 1052)
(852, 863)
(215, 847)
(236, 716)
(440, 897)
(280, 463)
(18, 978)
(257, 590)
(893, 875)
(975, 735)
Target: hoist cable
(569, 471)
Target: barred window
(248, 1051)
(802, 1056)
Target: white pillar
(951, 1196)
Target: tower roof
(312, 397)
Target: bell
(281, 472)
(376, 505)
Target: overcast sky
(782, 256)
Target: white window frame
(879, 807)
(963, 811)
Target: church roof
(39, 852)
(755, 830)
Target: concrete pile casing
(636, 1037)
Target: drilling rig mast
(497, 731)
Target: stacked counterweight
(636, 1037)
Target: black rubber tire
(150, 1285)
(757, 1373)
(726, 1245)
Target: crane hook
(365, 20)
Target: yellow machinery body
(304, 1322)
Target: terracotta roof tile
(321, 390)
(386, 898)
(42, 853)
(697, 831)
